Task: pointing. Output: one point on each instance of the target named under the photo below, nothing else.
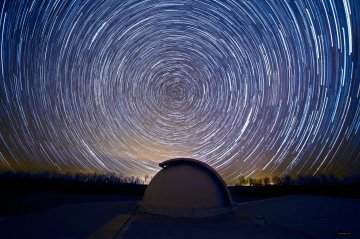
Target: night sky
(253, 88)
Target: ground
(294, 216)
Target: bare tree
(242, 180)
(276, 180)
(252, 181)
(266, 181)
(146, 178)
(287, 180)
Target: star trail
(250, 87)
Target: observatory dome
(187, 188)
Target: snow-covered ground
(317, 216)
(295, 216)
(67, 221)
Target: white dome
(187, 188)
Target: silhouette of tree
(287, 180)
(266, 181)
(252, 181)
(258, 182)
(276, 180)
(242, 180)
(146, 178)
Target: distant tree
(136, 180)
(317, 180)
(301, 180)
(276, 180)
(327, 180)
(146, 178)
(242, 180)
(287, 180)
(312, 180)
(258, 182)
(333, 180)
(266, 181)
(252, 181)
(355, 179)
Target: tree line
(106, 178)
(300, 180)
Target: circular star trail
(250, 87)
